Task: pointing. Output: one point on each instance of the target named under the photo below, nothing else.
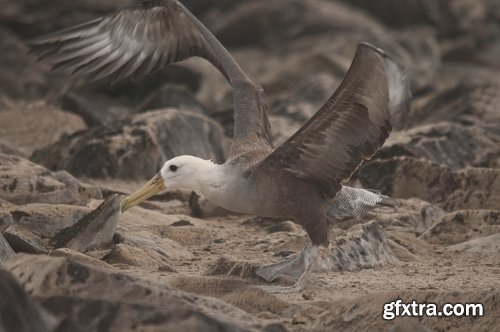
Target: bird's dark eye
(173, 168)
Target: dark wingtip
(399, 87)
(372, 47)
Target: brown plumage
(299, 179)
(142, 39)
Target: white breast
(227, 190)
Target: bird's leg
(292, 268)
(310, 257)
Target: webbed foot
(298, 268)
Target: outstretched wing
(350, 127)
(142, 39)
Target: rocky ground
(68, 150)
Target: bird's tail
(385, 200)
(354, 202)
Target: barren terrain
(70, 262)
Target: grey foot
(298, 268)
(297, 287)
(291, 269)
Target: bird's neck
(209, 177)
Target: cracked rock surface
(69, 261)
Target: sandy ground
(436, 271)
(66, 145)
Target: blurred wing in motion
(142, 39)
(130, 42)
(350, 127)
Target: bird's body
(236, 186)
(299, 180)
(240, 187)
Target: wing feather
(350, 127)
(138, 40)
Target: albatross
(301, 180)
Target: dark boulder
(406, 177)
(135, 148)
(101, 103)
(18, 311)
(455, 146)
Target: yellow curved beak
(151, 188)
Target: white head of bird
(183, 172)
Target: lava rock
(407, 246)
(405, 177)
(363, 246)
(465, 103)
(363, 313)
(20, 76)
(463, 225)
(287, 20)
(200, 8)
(171, 96)
(448, 16)
(19, 312)
(22, 239)
(96, 109)
(5, 219)
(80, 314)
(29, 227)
(147, 251)
(452, 145)
(5, 204)
(230, 267)
(32, 18)
(234, 291)
(6, 251)
(22, 182)
(95, 230)
(36, 125)
(42, 219)
(7, 148)
(79, 257)
(306, 27)
(187, 236)
(467, 28)
(135, 148)
(127, 255)
(487, 244)
(102, 104)
(73, 291)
